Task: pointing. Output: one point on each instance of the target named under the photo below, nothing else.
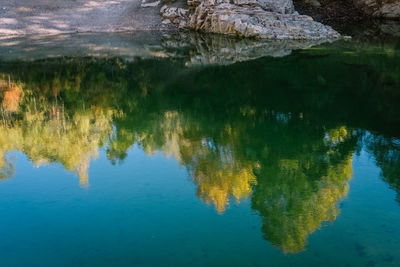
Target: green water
(291, 161)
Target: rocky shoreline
(260, 19)
(248, 18)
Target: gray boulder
(254, 21)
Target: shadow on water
(193, 48)
(280, 131)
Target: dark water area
(185, 153)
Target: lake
(198, 151)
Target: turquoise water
(291, 161)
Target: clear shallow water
(290, 161)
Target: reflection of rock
(217, 49)
(380, 8)
(194, 48)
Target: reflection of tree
(7, 168)
(49, 138)
(304, 173)
(278, 156)
(293, 205)
(290, 155)
(10, 94)
(218, 174)
(387, 155)
(213, 167)
(46, 132)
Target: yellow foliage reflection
(320, 207)
(294, 173)
(216, 185)
(45, 133)
(295, 196)
(217, 174)
(11, 96)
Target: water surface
(157, 161)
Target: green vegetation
(262, 130)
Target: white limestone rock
(254, 21)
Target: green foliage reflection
(250, 133)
